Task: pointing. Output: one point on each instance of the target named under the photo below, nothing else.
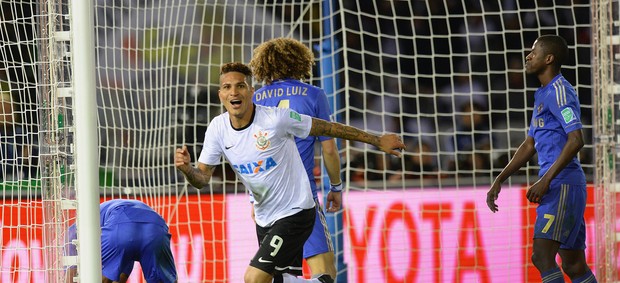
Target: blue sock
(586, 278)
(553, 275)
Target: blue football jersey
(556, 113)
(124, 210)
(304, 99)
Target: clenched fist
(182, 158)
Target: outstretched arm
(198, 177)
(389, 143)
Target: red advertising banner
(197, 226)
(446, 235)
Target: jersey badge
(568, 115)
(262, 142)
(295, 115)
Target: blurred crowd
(447, 76)
(18, 110)
(454, 83)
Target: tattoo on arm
(324, 128)
(199, 177)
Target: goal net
(446, 75)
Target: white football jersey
(265, 157)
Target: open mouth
(235, 102)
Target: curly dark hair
(281, 58)
(236, 67)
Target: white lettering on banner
(458, 238)
(19, 262)
(37, 258)
(22, 263)
(392, 236)
(419, 236)
(194, 266)
(417, 241)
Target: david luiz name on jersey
(255, 166)
(277, 92)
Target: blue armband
(336, 188)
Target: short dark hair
(236, 67)
(556, 45)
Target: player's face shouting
(236, 95)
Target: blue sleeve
(565, 108)
(323, 111)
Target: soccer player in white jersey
(555, 134)
(283, 64)
(259, 144)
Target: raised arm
(389, 143)
(198, 177)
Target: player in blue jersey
(555, 134)
(258, 142)
(131, 231)
(282, 64)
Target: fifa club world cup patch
(568, 115)
(295, 115)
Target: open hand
(392, 144)
(492, 196)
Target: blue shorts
(320, 240)
(148, 243)
(559, 215)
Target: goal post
(446, 75)
(67, 137)
(606, 96)
(82, 48)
